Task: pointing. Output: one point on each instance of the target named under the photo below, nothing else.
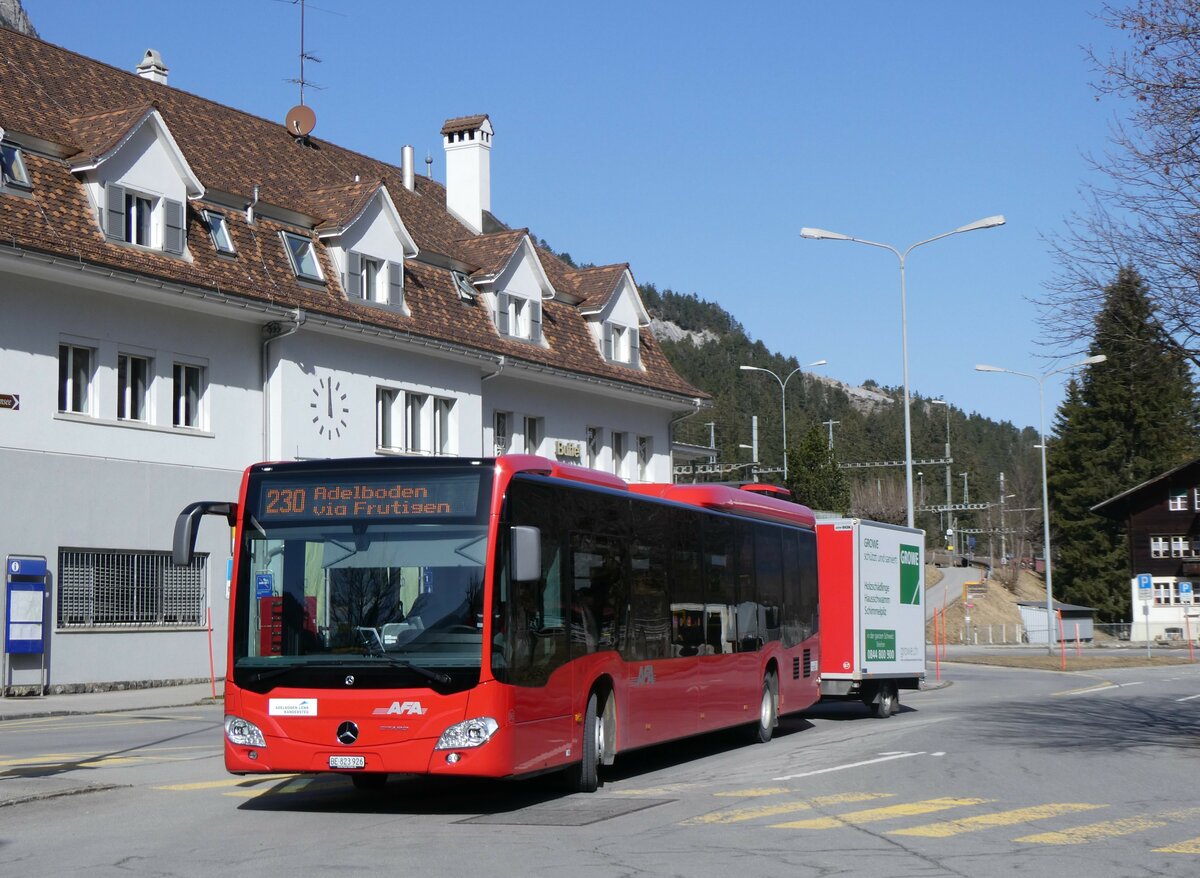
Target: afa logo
(407, 708)
(645, 676)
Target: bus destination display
(436, 496)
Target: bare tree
(1148, 212)
(879, 499)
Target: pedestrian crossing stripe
(1000, 818)
(872, 815)
(740, 815)
(1111, 828)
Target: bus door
(662, 650)
(719, 663)
(539, 665)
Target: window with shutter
(352, 280)
(395, 284)
(174, 236)
(114, 211)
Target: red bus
(503, 617)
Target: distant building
(1162, 518)
(1077, 622)
(188, 289)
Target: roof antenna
(301, 119)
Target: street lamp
(783, 396)
(1041, 381)
(821, 234)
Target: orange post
(937, 659)
(1062, 642)
(1188, 622)
(212, 673)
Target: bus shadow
(472, 797)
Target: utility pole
(830, 424)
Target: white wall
(356, 367)
(568, 413)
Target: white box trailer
(872, 618)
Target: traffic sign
(1185, 592)
(1145, 586)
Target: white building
(188, 289)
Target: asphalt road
(1002, 772)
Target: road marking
(1110, 829)
(1001, 818)
(739, 815)
(225, 782)
(1100, 688)
(886, 758)
(1189, 698)
(872, 815)
(1191, 846)
(99, 760)
(747, 794)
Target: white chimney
(468, 142)
(152, 67)
(407, 162)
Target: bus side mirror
(526, 553)
(183, 547)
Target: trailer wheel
(584, 776)
(886, 703)
(767, 710)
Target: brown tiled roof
(463, 123)
(490, 253)
(96, 134)
(85, 107)
(597, 285)
(338, 206)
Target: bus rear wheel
(584, 776)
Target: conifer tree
(814, 477)
(1124, 421)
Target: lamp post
(949, 501)
(783, 397)
(821, 234)
(1041, 382)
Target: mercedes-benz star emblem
(349, 679)
(347, 733)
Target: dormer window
(303, 257)
(143, 219)
(518, 317)
(466, 292)
(621, 344)
(218, 230)
(372, 279)
(12, 167)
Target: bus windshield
(380, 578)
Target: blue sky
(694, 140)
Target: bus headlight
(243, 733)
(469, 733)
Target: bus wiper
(377, 651)
(270, 673)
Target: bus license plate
(347, 762)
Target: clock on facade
(329, 408)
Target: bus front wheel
(584, 776)
(767, 710)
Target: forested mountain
(868, 423)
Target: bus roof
(738, 501)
